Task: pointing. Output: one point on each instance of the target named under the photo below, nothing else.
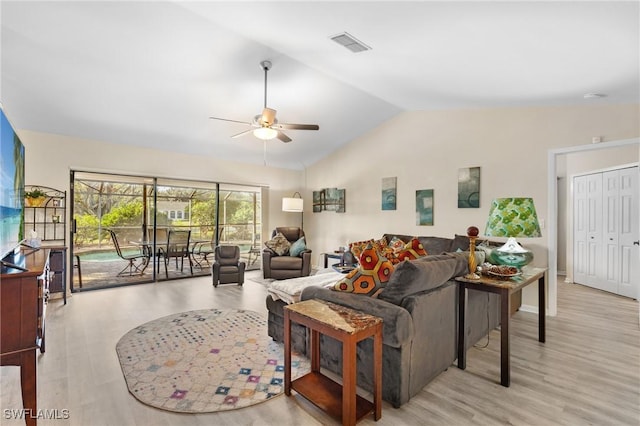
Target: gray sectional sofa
(419, 309)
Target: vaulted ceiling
(151, 73)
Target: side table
(335, 255)
(349, 327)
(504, 287)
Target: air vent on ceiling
(350, 42)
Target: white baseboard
(529, 308)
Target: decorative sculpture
(472, 233)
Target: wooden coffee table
(349, 327)
(504, 287)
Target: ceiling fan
(265, 126)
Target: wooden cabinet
(23, 296)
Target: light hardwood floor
(588, 372)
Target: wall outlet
(596, 139)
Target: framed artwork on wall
(329, 199)
(334, 200)
(389, 193)
(469, 187)
(424, 207)
(317, 201)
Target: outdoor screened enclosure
(142, 212)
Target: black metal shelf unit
(47, 215)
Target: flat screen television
(11, 187)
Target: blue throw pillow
(297, 248)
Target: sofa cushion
(278, 244)
(436, 245)
(286, 262)
(423, 274)
(397, 325)
(298, 247)
(368, 278)
(460, 242)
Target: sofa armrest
(397, 327)
(266, 262)
(306, 263)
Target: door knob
(636, 243)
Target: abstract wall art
(424, 207)
(469, 187)
(389, 193)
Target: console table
(505, 287)
(349, 327)
(23, 302)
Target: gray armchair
(227, 267)
(284, 267)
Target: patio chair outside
(178, 248)
(203, 249)
(137, 262)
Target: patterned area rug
(204, 361)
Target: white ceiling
(151, 73)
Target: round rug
(205, 361)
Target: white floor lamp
(293, 204)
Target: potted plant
(35, 198)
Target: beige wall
(426, 149)
(49, 159)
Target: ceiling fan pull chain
(264, 151)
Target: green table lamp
(513, 218)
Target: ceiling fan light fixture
(265, 133)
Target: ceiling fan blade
(297, 126)
(242, 133)
(233, 121)
(268, 116)
(283, 137)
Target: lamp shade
(513, 217)
(292, 204)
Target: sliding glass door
(108, 219)
(240, 212)
(124, 226)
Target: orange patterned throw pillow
(370, 277)
(396, 244)
(412, 250)
(356, 247)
